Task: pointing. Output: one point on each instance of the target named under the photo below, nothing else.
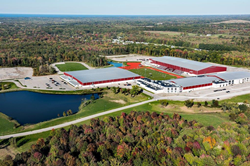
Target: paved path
(74, 122)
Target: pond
(115, 64)
(30, 107)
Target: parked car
(228, 91)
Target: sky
(126, 7)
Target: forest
(39, 42)
(142, 138)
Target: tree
(135, 90)
(164, 103)
(198, 104)
(189, 103)
(114, 90)
(243, 107)
(206, 104)
(215, 103)
(69, 112)
(92, 97)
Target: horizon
(124, 14)
(129, 7)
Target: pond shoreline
(31, 107)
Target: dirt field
(172, 33)
(15, 72)
(233, 22)
(7, 151)
(127, 58)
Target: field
(192, 38)
(6, 124)
(238, 99)
(233, 22)
(204, 118)
(70, 66)
(172, 33)
(152, 74)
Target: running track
(136, 65)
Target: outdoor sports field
(71, 67)
(152, 74)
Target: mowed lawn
(10, 84)
(6, 125)
(238, 99)
(70, 66)
(152, 74)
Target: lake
(30, 107)
(115, 64)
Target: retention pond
(30, 107)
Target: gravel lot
(15, 73)
(40, 83)
(130, 57)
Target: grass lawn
(8, 85)
(152, 74)
(70, 66)
(6, 124)
(238, 99)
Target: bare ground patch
(15, 72)
(233, 22)
(7, 151)
(118, 101)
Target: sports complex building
(200, 76)
(188, 84)
(189, 67)
(98, 76)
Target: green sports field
(70, 66)
(152, 74)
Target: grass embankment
(6, 124)
(71, 66)
(7, 86)
(152, 74)
(238, 99)
(108, 102)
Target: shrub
(215, 103)
(189, 103)
(236, 150)
(164, 103)
(206, 104)
(243, 107)
(198, 104)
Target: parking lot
(46, 82)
